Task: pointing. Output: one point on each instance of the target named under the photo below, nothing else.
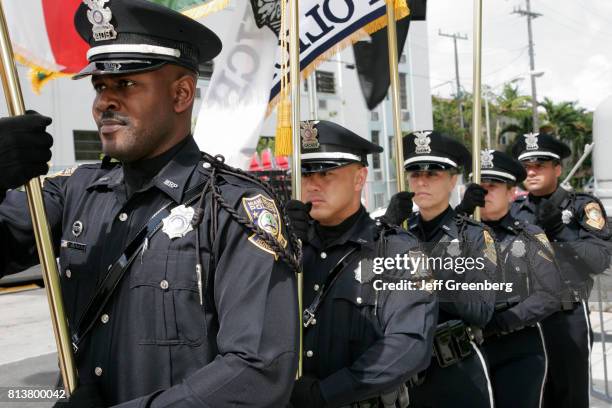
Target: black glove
(25, 149)
(298, 213)
(399, 208)
(474, 197)
(85, 396)
(307, 394)
(549, 217)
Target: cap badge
(309, 135)
(531, 140)
(100, 16)
(422, 140)
(486, 159)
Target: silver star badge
(518, 249)
(566, 216)
(453, 248)
(178, 223)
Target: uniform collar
(361, 233)
(173, 177)
(447, 223)
(530, 205)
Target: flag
(372, 57)
(246, 79)
(327, 27)
(43, 35)
(235, 103)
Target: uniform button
(123, 217)
(164, 284)
(98, 371)
(206, 165)
(309, 353)
(359, 300)
(516, 223)
(323, 255)
(316, 287)
(68, 273)
(575, 256)
(313, 321)
(517, 269)
(104, 318)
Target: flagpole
(477, 109)
(296, 166)
(395, 96)
(44, 243)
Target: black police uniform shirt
(364, 342)
(450, 235)
(239, 348)
(527, 261)
(580, 247)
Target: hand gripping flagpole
(44, 243)
(477, 110)
(296, 167)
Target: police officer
(361, 340)
(459, 376)
(175, 268)
(514, 344)
(575, 224)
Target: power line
(530, 16)
(455, 37)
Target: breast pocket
(76, 276)
(355, 304)
(165, 293)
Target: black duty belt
(311, 311)
(452, 342)
(118, 268)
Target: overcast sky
(573, 46)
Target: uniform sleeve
(545, 296)
(590, 243)
(18, 249)
(256, 301)
(474, 306)
(408, 320)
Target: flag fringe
(401, 11)
(38, 75)
(203, 10)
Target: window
(323, 104)
(376, 156)
(403, 92)
(379, 200)
(206, 70)
(402, 58)
(326, 82)
(87, 145)
(391, 147)
(374, 116)
(198, 93)
(405, 116)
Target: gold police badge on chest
(262, 212)
(178, 223)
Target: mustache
(114, 116)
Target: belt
(452, 342)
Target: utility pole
(456, 37)
(530, 16)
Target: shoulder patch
(63, 173)
(262, 212)
(594, 216)
(489, 250)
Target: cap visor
(119, 68)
